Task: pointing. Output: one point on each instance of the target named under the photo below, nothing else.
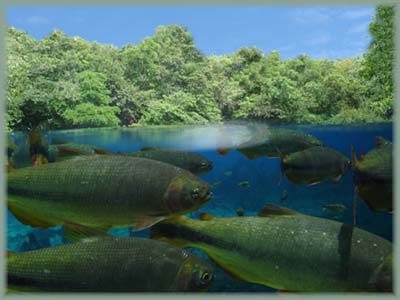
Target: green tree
(378, 62)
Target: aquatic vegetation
(285, 250)
(109, 265)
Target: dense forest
(67, 82)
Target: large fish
(109, 265)
(373, 177)
(59, 152)
(103, 191)
(286, 250)
(265, 143)
(314, 165)
(187, 160)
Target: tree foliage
(66, 82)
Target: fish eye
(195, 193)
(206, 277)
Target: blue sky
(320, 32)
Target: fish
(285, 250)
(59, 152)
(216, 184)
(376, 165)
(228, 173)
(284, 195)
(337, 207)
(373, 177)
(88, 195)
(244, 184)
(314, 165)
(109, 264)
(187, 160)
(240, 212)
(265, 143)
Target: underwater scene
(240, 207)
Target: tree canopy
(67, 82)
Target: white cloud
(37, 20)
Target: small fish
(284, 195)
(205, 216)
(111, 264)
(337, 207)
(240, 212)
(216, 184)
(244, 184)
(228, 173)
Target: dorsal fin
(205, 216)
(354, 160)
(275, 210)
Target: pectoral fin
(25, 216)
(76, 232)
(144, 222)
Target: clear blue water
(262, 174)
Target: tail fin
(171, 231)
(353, 157)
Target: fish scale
(289, 252)
(106, 264)
(98, 190)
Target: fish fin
(313, 183)
(76, 232)
(275, 210)
(223, 151)
(205, 216)
(149, 148)
(354, 160)
(337, 178)
(24, 216)
(100, 151)
(226, 270)
(144, 222)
